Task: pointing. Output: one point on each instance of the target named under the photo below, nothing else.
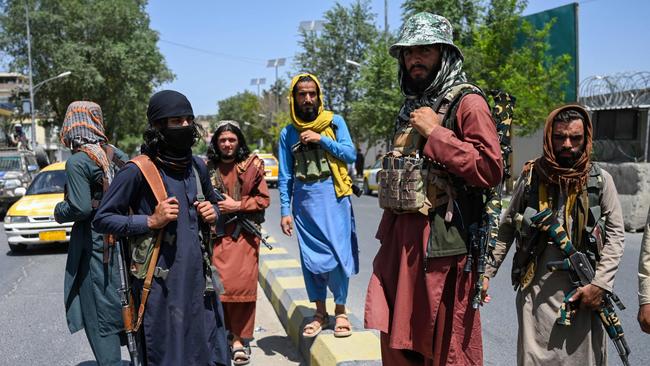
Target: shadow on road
(58, 248)
(274, 344)
(94, 363)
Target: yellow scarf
(323, 125)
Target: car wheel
(366, 188)
(17, 248)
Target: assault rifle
(128, 308)
(243, 223)
(483, 235)
(581, 273)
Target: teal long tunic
(91, 297)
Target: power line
(218, 54)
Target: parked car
(370, 182)
(31, 219)
(270, 169)
(17, 169)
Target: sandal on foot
(342, 330)
(240, 356)
(319, 321)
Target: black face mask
(178, 140)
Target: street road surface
(33, 329)
(499, 317)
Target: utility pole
(31, 85)
(386, 17)
(277, 62)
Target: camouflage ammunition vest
(531, 244)
(411, 183)
(310, 162)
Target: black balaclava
(171, 146)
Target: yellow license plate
(52, 235)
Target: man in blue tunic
(183, 323)
(91, 270)
(314, 152)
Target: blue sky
(240, 36)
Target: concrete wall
(632, 182)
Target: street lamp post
(258, 82)
(32, 92)
(33, 88)
(277, 62)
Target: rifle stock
(582, 273)
(128, 307)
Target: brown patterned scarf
(569, 179)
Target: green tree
(374, 113)
(347, 34)
(462, 14)
(107, 45)
(502, 51)
(245, 109)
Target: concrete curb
(281, 279)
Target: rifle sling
(109, 239)
(152, 176)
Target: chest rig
(587, 234)
(409, 182)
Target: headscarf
(162, 105)
(323, 125)
(83, 129)
(550, 171)
(168, 103)
(427, 29)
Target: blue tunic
(181, 325)
(324, 223)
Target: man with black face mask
(183, 319)
(585, 206)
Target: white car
(31, 219)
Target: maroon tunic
(237, 260)
(431, 314)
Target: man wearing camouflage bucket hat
(430, 320)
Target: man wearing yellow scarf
(315, 189)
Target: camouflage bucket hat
(424, 29)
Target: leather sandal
(240, 356)
(319, 321)
(342, 330)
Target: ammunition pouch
(310, 162)
(402, 183)
(141, 253)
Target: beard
(420, 84)
(568, 161)
(307, 112)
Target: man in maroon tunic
(419, 296)
(239, 175)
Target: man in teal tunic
(91, 277)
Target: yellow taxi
(270, 169)
(370, 181)
(31, 219)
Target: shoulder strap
(531, 190)
(153, 178)
(151, 175)
(594, 189)
(110, 155)
(199, 189)
(453, 97)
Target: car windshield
(51, 181)
(9, 163)
(269, 162)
